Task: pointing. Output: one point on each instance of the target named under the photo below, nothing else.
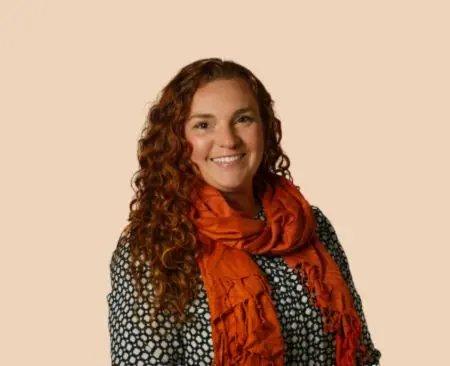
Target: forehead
(221, 94)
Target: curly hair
(163, 244)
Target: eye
(199, 124)
(248, 118)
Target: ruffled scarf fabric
(245, 327)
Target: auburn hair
(162, 240)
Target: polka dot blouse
(134, 341)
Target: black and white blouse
(134, 341)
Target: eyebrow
(208, 115)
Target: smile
(229, 160)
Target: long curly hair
(162, 241)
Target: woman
(224, 261)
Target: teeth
(227, 159)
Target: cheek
(256, 140)
(200, 148)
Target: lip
(226, 156)
(231, 163)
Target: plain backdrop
(362, 89)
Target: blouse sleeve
(133, 339)
(329, 238)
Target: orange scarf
(245, 328)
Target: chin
(227, 181)
(230, 185)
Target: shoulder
(322, 220)
(121, 267)
(325, 229)
(134, 338)
(121, 254)
(329, 238)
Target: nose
(227, 137)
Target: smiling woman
(229, 148)
(224, 261)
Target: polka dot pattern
(164, 342)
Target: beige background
(362, 89)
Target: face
(224, 121)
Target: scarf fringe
(346, 324)
(241, 354)
(245, 327)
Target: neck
(243, 202)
